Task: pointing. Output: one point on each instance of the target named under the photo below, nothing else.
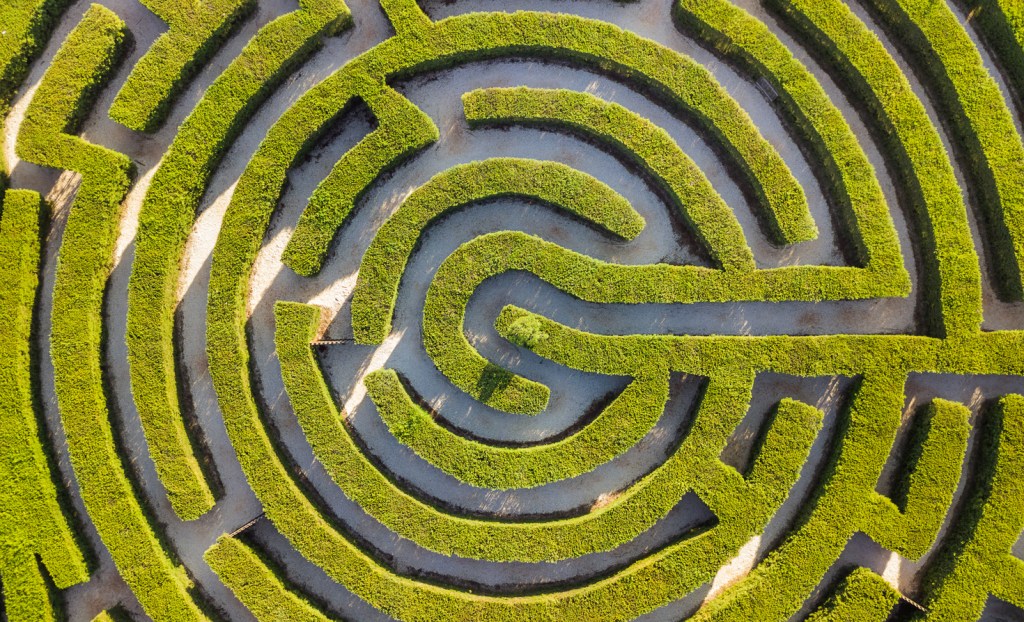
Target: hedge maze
(421, 311)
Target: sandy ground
(572, 392)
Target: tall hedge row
(951, 283)
(197, 28)
(620, 425)
(259, 588)
(32, 521)
(166, 218)
(27, 26)
(990, 146)
(79, 70)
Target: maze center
(541, 310)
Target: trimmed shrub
(1001, 23)
(406, 15)
(596, 281)
(81, 67)
(683, 85)
(976, 559)
(846, 501)
(775, 469)
(168, 212)
(742, 504)
(197, 30)
(862, 595)
(863, 213)
(619, 426)
(256, 585)
(549, 183)
(402, 130)
(32, 522)
(27, 27)
(992, 150)
(381, 270)
(497, 540)
(952, 278)
(907, 524)
(633, 138)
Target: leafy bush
(952, 279)
(166, 218)
(743, 504)
(526, 333)
(255, 584)
(79, 70)
(498, 540)
(197, 30)
(32, 520)
(402, 130)
(993, 151)
(593, 280)
(862, 595)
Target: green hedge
(862, 596)
(693, 466)
(402, 130)
(406, 16)
(596, 281)
(27, 25)
(816, 355)
(165, 221)
(970, 98)
(908, 522)
(1001, 23)
(384, 262)
(31, 519)
(256, 585)
(743, 505)
(777, 588)
(362, 481)
(662, 73)
(863, 213)
(86, 59)
(846, 502)
(455, 357)
(549, 183)
(619, 426)
(952, 278)
(976, 559)
(310, 533)
(197, 30)
(630, 136)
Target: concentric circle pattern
(497, 311)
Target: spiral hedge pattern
(695, 309)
